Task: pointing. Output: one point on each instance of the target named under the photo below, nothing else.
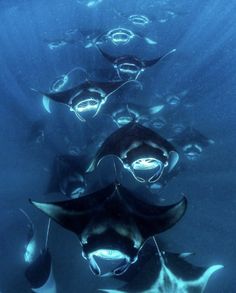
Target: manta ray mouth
(120, 36)
(56, 44)
(123, 117)
(178, 128)
(88, 107)
(123, 120)
(147, 164)
(192, 151)
(129, 68)
(159, 124)
(112, 262)
(139, 19)
(173, 100)
(147, 169)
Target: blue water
(203, 32)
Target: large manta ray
(112, 224)
(130, 67)
(142, 152)
(165, 272)
(86, 98)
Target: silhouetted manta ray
(122, 113)
(140, 150)
(68, 176)
(167, 273)
(112, 224)
(192, 142)
(129, 66)
(39, 269)
(87, 97)
(39, 274)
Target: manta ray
(112, 224)
(192, 143)
(123, 113)
(40, 274)
(86, 98)
(68, 176)
(121, 36)
(129, 66)
(165, 272)
(140, 20)
(142, 152)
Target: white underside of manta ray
(168, 282)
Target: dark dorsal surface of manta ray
(192, 143)
(112, 224)
(39, 274)
(86, 98)
(68, 176)
(123, 113)
(142, 152)
(168, 272)
(129, 66)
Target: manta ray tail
(149, 63)
(47, 233)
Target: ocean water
(42, 42)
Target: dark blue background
(203, 32)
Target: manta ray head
(128, 70)
(87, 104)
(124, 116)
(111, 248)
(120, 36)
(146, 162)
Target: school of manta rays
(118, 231)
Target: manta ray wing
(75, 214)
(62, 97)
